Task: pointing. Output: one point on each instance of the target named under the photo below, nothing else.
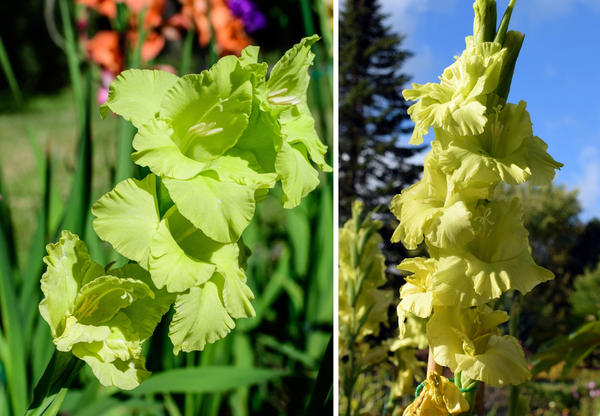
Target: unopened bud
(484, 25)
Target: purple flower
(591, 385)
(247, 11)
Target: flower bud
(484, 24)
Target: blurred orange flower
(104, 49)
(229, 31)
(107, 8)
(153, 44)
(153, 16)
(197, 12)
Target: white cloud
(588, 181)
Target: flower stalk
(477, 243)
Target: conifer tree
(373, 164)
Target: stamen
(275, 93)
(203, 129)
(287, 100)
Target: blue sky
(558, 72)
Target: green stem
(186, 56)
(10, 76)
(515, 311)
(324, 22)
(212, 52)
(72, 57)
(136, 59)
(309, 26)
(171, 406)
(321, 88)
(124, 166)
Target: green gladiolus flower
(507, 150)
(204, 274)
(458, 103)
(436, 208)
(499, 258)
(469, 340)
(102, 317)
(215, 142)
(478, 244)
(222, 138)
(435, 282)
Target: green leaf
(207, 379)
(59, 373)
(299, 233)
(6, 225)
(321, 400)
(136, 94)
(127, 217)
(572, 349)
(13, 351)
(243, 355)
(77, 207)
(110, 405)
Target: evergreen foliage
(373, 113)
